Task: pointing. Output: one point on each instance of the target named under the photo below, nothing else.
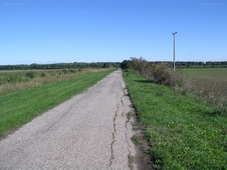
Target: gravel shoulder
(89, 131)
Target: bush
(138, 64)
(160, 73)
(65, 71)
(125, 64)
(30, 75)
(43, 75)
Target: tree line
(74, 65)
(123, 65)
(187, 64)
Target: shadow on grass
(145, 81)
(216, 113)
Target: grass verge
(183, 133)
(18, 108)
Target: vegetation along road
(89, 131)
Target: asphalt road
(89, 131)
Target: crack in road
(130, 157)
(113, 138)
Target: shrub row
(159, 72)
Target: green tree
(125, 64)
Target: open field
(19, 107)
(15, 80)
(208, 80)
(183, 133)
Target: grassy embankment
(17, 108)
(183, 133)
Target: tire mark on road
(59, 119)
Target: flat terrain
(89, 131)
(209, 80)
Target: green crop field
(19, 107)
(183, 132)
(209, 80)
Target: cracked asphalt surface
(89, 131)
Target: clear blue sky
(54, 31)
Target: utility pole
(174, 50)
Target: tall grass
(11, 81)
(19, 107)
(183, 133)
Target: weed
(145, 150)
(136, 140)
(129, 115)
(130, 160)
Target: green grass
(18, 108)
(183, 133)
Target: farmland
(208, 80)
